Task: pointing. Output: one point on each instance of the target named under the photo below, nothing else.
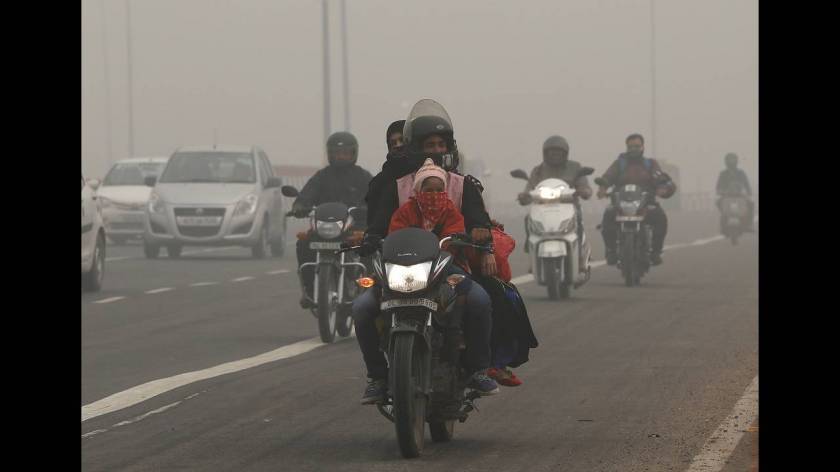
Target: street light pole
(653, 148)
(326, 71)
(108, 145)
(344, 65)
(130, 79)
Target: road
(624, 379)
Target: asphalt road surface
(648, 378)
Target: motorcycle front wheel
(629, 265)
(327, 309)
(409, 403)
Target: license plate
(400, 302)
(199, 220)
(335, 246)
(128, 218)
(629, 218)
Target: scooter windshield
(425, 107)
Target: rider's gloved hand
(488, 265)
(300, 212)
(480, 235)
(370, 244)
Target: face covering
(634, 154)
(432, 206)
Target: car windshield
(210, 167)
(132, 173)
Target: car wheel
(92, 281)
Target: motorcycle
(560, 253)
(335, 272)
(421, 314)
(734, 210)
(631, 203)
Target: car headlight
(629, 208)
(408, 279)
(246, 206)
(156, 204)
(329, 229)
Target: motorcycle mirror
(583, 172)
(289, 191)
(519, 174)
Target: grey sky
(509, 73)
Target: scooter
(556, 241)
(733, 213)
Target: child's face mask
(432, 205)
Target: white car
(93, 241)
(216, 196)
(123, 196)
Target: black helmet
(731, 159)
(427, 118)
(342, 140)
(556, 142)
(395, 127)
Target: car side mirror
(273, 182)
(289, 191)
(519, 174)
(94, 183)
(150, 180)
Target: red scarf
(433, 206)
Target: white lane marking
(109, 300)
(187, 253)
(242, 279)
(722, 442)
(275, 272)
(159, 290)
(203, 284)
(112, 259)
(93, 433)
(143, 392)
(139, 418)
(524, 279)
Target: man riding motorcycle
(733, 177)
(632, 167)
(556, 164)
(428, 133)
(340, 181)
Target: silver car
(216, 196)
(123, 196)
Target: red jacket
(409, 216)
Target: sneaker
(656, 259)
(483, 384)
(375, 391)
(512, 380)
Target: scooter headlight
(329, 229)
(630, 208)
(408, 279)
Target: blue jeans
(477, 326)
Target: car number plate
(629, 218)
(400, 302)
(199, 220)
(335, 246)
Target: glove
(370, 244)
(301, 212)
(480, 235)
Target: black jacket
(383, 199)
(334, 184)
(733, 177)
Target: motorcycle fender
(552, 248)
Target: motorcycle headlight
(156, 204)
(408, 279)
(329, 229)
(246, 206)
(629, 208)
(549, 193)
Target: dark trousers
(304, 254)
(477, 327)
(655, 218)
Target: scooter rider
(733, 176)
(556, 164)
(632, 167)
(427, 134)
(340, 181)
